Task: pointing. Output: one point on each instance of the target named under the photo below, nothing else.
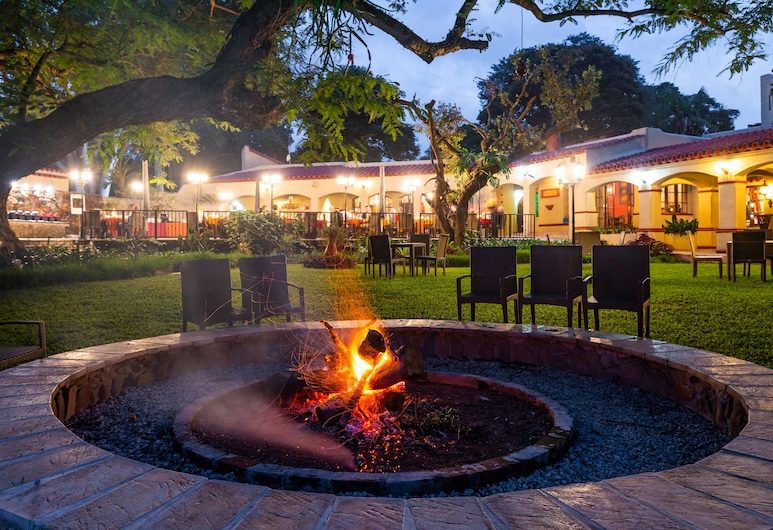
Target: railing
(102, 224)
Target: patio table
(413, 248)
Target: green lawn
(704, 312)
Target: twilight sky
(452, 78)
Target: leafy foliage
(624, 101)
(666, 108)
(680, 226)
(262, 234)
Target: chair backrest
(380, 248)
(488, 265)
(442, 245)
(691, 240)
(421, 238)
(552, 266)
(264, 279)
(618, 270)
(749, 245)
(208, 280)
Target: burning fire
(353, 383)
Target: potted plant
(675, 229)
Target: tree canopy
(73, 69)
(625, 101)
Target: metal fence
(104, 224)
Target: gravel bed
(621, 430)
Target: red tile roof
(710, 147)
(328, 171)
(565, 152)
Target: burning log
(371, 366)
(407, 362)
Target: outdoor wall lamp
(767, 192)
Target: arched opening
(615, 204)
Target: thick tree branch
(407, 38)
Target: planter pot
(679, 242)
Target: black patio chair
(555, 279)
(266, 291)
(207, 294)
(440, 254)
(492, 280)
(620, 280)
(381, 254)
(21, 341)
(748, 248)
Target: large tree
(668, 109)
(547, 79)
(73, 69)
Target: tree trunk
(9, 242)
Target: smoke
(263, 423)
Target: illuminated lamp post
(271, 181)
(79, 206)
(197, 179)
(571, 182)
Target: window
(614, 204)
(677, 198)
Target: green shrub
(657, 248)
(680, 226)
(261, 233)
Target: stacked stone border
(547, 450)
(50, 478)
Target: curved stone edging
(51, 478)
(549, 449)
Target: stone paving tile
(696, 508)
(608, 508)
(35, 466)
(209, 504)
(39, 498)
(764, 431)
(120, 506)
(758, 402)
(287, 510)
(8, 390)
(371, 513)
(11, 429)
(24, 411)
(745, 494)
(31, 398)
(751, 446)
(531, 510)
(37, 442)
(741, 465)
(449, 513)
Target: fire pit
(240, 431)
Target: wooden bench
(21, 341)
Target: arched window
(677, 199)
(614, 204)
